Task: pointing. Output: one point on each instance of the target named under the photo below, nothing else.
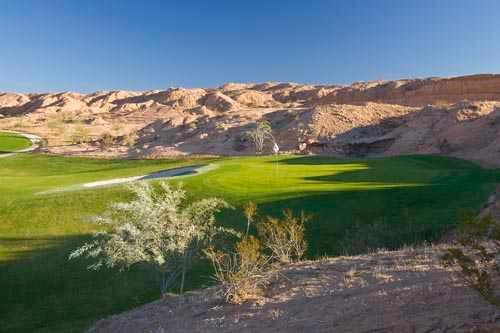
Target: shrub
(81, 134)
(19, 123)
(241, 273)
(284, 238)
(130, 139)
(239, 142)
(158, 227)
(43, 143)
(107, 141)
(66, 117)
(116, 128)
(55, 124)
(476, 253)
(250, 210)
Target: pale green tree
(260, 134)
(158, 227)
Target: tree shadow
(41, 290)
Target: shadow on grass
(41, 290)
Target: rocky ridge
(451, 116)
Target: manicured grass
(41, 291)
(12, 142)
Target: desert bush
(116, 128)
(441, 103)
(43, 143)
(130, 139)
(55, 124)
(262, 133)
(244, 271)
(239, 142)
(240, 273)
(107, 140)
(476, 253)
(158, 227)
(192, 126)
(19, 123)
(250, 211)
(81, 134)
(284, 238)
(444, 146)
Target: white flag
(276, 148)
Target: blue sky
(89, 45)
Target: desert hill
(452, 116)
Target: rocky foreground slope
(404, 291)
(456, 116)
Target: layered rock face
(419, 92)
(451, 116)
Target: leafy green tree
(158, 227)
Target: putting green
(11, 142)
(42, 291)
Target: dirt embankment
(423, 116)
(402, 291)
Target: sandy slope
(401, 291)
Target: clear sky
(87, 45)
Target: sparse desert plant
(239, 142)
(19, 123)
(157, 227)
(192, 126)
(445, 146)
(130, 139)
(440, 103)
(66, 117)
(55, 123)
(81, 134)
(107, 140)
(284, 238)
(116, 128)
(241, 273)
(43, 143)
(250, 210)
(476, 253)
(262, 133)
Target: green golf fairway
(12, 142)
(41, 291)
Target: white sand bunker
(170, 173)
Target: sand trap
(170, 173)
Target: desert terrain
(448, 116)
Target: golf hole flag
(276, 148)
